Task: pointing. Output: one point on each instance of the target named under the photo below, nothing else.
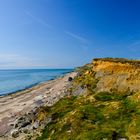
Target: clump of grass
(104, 96)
(107, 96)
(112, 96)
(83, 69)
(86, 80)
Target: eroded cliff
(117, 75)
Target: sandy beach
(16, 105)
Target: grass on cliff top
(93, 116)
(121, 60)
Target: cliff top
(120, 60)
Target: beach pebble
(22, 122)
(15, 133)
(35, 125)
(26, 129)
(70, 79)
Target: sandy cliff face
(117, 76)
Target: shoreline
(14, 106)
(19, 90)
(35, 84)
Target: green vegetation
(93, 116)
(86, 78)
(107, 96)
(84, 119)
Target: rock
(11, 124)
(31, 115)
(70, 79)
(122, 139)
(48, 120)
(39, 102)
(79, 91)
(15, 133)
(35, 125)
(26, 129)
(34, 111)
(23, 122)
(69, 131)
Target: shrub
(104, 96)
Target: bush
(104, 96)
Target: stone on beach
(15, 133)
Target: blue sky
(67, 33)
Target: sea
(12, 81)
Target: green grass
(107, 96)
(79, 119)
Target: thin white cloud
(77, 37)
(135, 43)
(18, 61)
(134, 46)
(6, 63)
(40, 21)
(73, 35)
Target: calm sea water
(14, 80)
